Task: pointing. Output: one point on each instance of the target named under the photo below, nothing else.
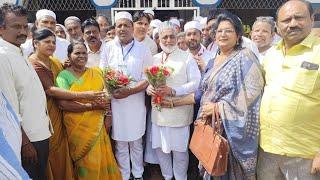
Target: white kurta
(22, 87)
(129, 114)
(94, 57)
(205, 54)
(61, 51)
(151, 44)
(177, 138)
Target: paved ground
(153, 172)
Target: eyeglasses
(227, 31)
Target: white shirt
(213, 47)
(262, 55)
(129, 114)
(22, 86)
(61, 51)
(205, 54)
(10, 126)
(94, 57)
(151, 44)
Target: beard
(168, 49)
(206, 42)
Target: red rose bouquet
(157, 76)
(115, 79)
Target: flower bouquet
(157, 76)
(115, 79)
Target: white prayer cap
(45, 12)
(198, 18)
(203, 22)
(192, 25)
(122, 15)
(175, 22)
(155, 23)
(155, 32)
(148, 11)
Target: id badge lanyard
(123, 65)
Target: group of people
(58, 121)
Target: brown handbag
(210, 148)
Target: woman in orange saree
(47, 67)
(89, 143)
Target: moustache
(294, 30)
(22, 37)
(91, 38)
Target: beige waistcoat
(177, 116)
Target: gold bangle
(171, 103)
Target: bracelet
(108, 113)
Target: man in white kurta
(92, 40)
(262, 34)
(170, 127)
(128, 104)
(141, 22)
(196, 49)
(47, 19)
(22, 87)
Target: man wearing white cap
(176, 24)
(73, 26)
(197, 50)
(170, 126)
(47, 19)
(153, 25)
(150, 13)
(128, 55)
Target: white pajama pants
(126, 151)
(174, 163)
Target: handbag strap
(216, 125)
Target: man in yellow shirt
(290, 107)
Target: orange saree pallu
(59, 163)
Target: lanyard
(124, 56)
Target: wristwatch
(173, 92)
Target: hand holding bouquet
(157, 76)
(115, 79)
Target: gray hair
(167, 25)
(72, 18)
(181, 34)
(266, 19)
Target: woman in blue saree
(231, 90)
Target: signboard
(10, 1)
(315, 3)
(103, 4)
(211, 3)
